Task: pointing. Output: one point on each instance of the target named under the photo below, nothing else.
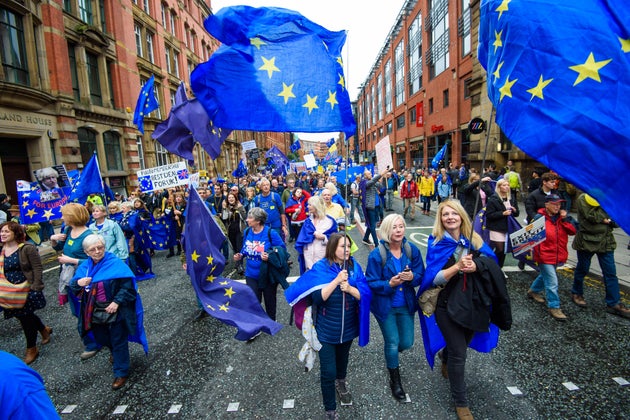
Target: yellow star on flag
(497, 40)
(625, 45)
(224, 283)
(589, 70)
(310, 103)
(224, 307)
(503, 7)
(210, 259)
(257, 42)
(287, 92)
(48, 214)
(537, 90)
(341, 81)
(210, 278)
(497, 72)
(24, 204)
(340, 61)
(506, 89)
(194, 256)
(269, 66)
(332, 99)
(30, 213)
(229, 292)
(210, 306)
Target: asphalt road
(196, 370)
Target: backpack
(513, 180)
(383, 252)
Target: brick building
(417, 91)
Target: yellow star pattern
(257, 42)
(210, 278)
(332, 99)
(310, 103)
(503, 7)
(497, 40)
(194, 256)
(625, 45)
(287, 92)
(589, 70)
(537, 90)
(340, 61)
(497, 72)
(506, 89)
(210, 306)
(269, 66)
(223, 283)
(225, 307)
(210, 259)
(229, 292)
(31, 213)
(342, 81)
(48, 214)
(24, 204)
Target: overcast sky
(367, 22)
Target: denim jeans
(609, 270)
(548, 280)
(114, 337)
(333, 364)
(390, 199)
(371, 217)
(355, 205)
(397, 331)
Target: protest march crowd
(457, 290)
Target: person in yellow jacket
(426, 186)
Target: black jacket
(276, 268)
(495, 219)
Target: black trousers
(269, 293)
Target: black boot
(395, 385)
(171, 253)
(179, 249)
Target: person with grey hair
(105, 285)
(258, 240)
(394, 269)
(115, 241)
(313, 237)
(272, 204)
(48, 178)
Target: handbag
(428, 300)
(67, 272)
(100, 316)
(12, 296)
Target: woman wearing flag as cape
(105, 281)
(341, 298)
(464, 270)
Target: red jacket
(554, 249)
(408, 189)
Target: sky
(367, 23)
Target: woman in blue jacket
(392, 280)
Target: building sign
(420, 114)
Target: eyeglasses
(96, 248)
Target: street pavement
(542, 368)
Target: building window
(412, 115)
(437, 54)
(187, 36)
(430, 105)
(167, 53)
(87, 143)
(140, 152)
(94, 79)
(110, 82)
(190, 65)
(378, 97)
(445, 98)
(388, 128)
(173, 23)
(85, 11)
(76, 91)
(173, 96)
(150, 56)
(467, 88)
(13, 48)
(137, 30)
(463, 28)
(147, 8)
(415, 55)
(101, 10)
(161, 154)
(176, 63)
(193, 41)
(400, 73)
(163, 9)
(111, 143)
(400, 121)
(388, 87)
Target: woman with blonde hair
(499, 208)
(313, 237)
(465, 268)
(394, 269)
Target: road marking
(621, 381)
(290, 403)
(514, 390)
(570, 386)
(233, 406)
(120, 409)
(69, 409)
(175, 408)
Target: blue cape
(438, 254)
(306, 237)
(319, 276)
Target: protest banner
(162, 177)
(527, 238)
(384, 155)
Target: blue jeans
(390, 199)
(397, 331)
(371, 219)
(548, 280)
(354, 206)
(609, 270)
(114, 337)
(333, 364)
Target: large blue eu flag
(89, 182)
(275, 71)
(559, 77)
(229, 301)
(147, 102)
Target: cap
(14, 208)
(553, 198)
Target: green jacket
(593, 234)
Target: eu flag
(330, 143)
(275, 71)
(438, 157)
(295, 146)
(241, 170)
(173, 134)
(89, 182)
(147, 102)
(37, 205)
(227, 300)
(559, 77)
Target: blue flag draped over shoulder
(275, 71)
(147, 102)
(438, 157)
(89, 182)
(229, 301)
(559, 77)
